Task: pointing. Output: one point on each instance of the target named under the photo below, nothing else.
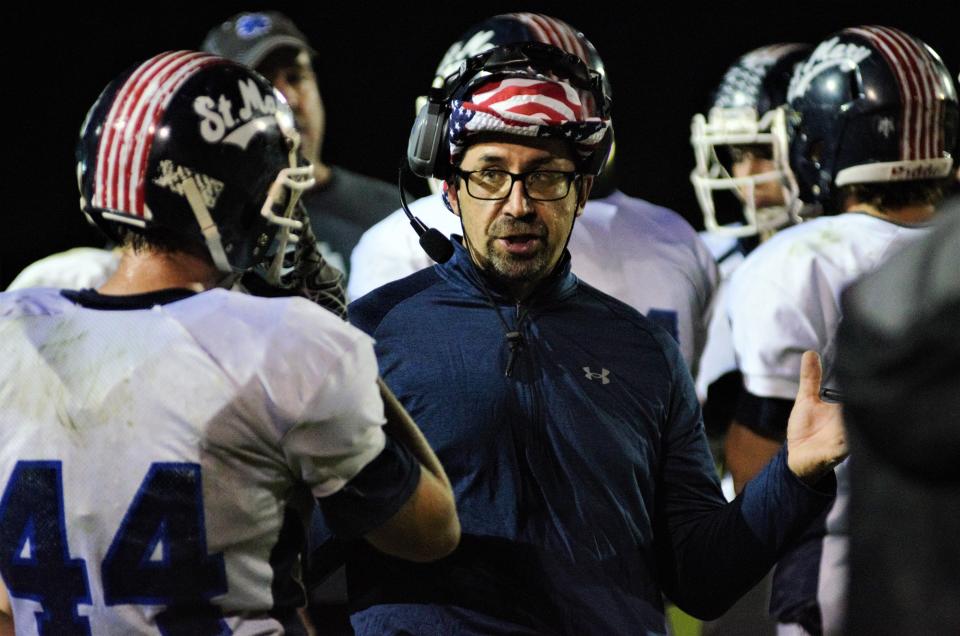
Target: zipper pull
(515, 340)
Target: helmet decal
(871, 105)
(130, 126)
(911, 63)
(173, 177)
(554, 32)
(828, 54)
(198, 146)
(220, 120)
(743, 83)
(477, 43)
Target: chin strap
(207, 226)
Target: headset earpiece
(427, 152)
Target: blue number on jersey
(158, 556)
(666, 319)
(34, 557)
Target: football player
(737, 172)
(739, 158)
(618, 241)
(162, 439)
(872, 122)
(341, 203)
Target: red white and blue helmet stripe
(914, 67)
(131, 124)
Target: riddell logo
(221, 123)
(910, 173)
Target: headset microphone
(436, 245)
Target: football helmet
(871, 104)
(745, 112)
(196, 145)
(514, 28)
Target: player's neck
(148, 271)
(909, 214)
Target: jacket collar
(461, 272)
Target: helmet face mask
(197, 146)
(870, 105)
(719, 142)
(746, 122)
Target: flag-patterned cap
(525, 106)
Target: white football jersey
(785, 297)
(77, 268)
(642, 254)
(146, 453)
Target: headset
(428, 153)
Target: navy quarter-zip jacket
(583, 479)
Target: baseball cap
(248, 38)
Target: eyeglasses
(540, 185)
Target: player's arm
(368, 464)
(6, 612)
(426, 527)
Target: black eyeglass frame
(570, 177)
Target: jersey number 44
(158, 555)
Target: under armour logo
(602, 376)
(885, 126)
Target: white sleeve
(78, 268)
(386, 252)
(770, 331)
(341, 427)
(321, 392)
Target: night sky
(663, 60)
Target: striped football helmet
(198, 146)
(869, 105)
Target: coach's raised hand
(816, 440)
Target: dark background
(663, 59)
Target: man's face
(293, 76)
(754, 160)
(517, 239)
